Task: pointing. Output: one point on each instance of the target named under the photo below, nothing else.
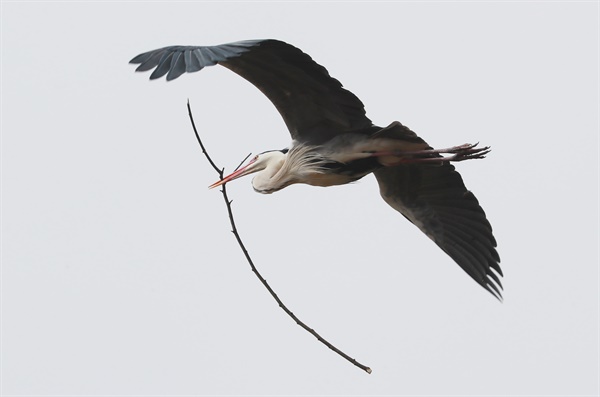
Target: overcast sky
(120, 275)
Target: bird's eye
(256, 157)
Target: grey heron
(334, 142)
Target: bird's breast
(318, 179)
(335, 173)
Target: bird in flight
(334, 143)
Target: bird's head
(270, 162)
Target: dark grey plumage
(436, 201)
(313, 105)
(316, 108)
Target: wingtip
(495, 290)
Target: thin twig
(243, 161)
(260, 277)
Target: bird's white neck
(284, 169)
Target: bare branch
(219, 171)
(260, 277)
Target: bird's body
(334, 143)
(342, 159)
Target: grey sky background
(120, 275)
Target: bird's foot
(468, 151)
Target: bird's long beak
(245, 170)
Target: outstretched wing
(313, 104)
(436, 200)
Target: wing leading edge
(314, 105)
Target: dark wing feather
(194, 57)
(436, 200)
(313, 104)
